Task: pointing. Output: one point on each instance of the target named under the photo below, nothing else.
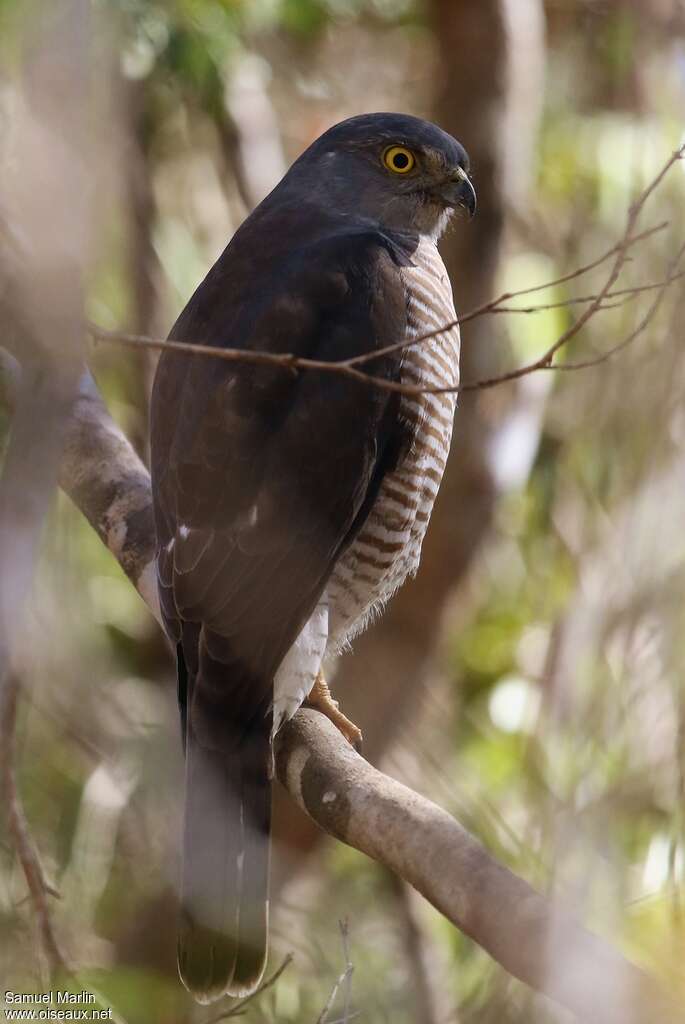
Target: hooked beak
(458, 191)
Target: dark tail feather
(222, 943)
(253, 914)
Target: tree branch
(529, 935)
(108, 482)
(595, 303)
(533, 938)
(345, 979)
(38, 886)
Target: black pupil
(400, 160)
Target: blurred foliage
(564, 747)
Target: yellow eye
(399, 159)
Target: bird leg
(321, 700)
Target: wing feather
(262, 477)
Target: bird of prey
(290, 505)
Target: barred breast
(388, 548)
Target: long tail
(223, 935)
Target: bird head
(402, 172)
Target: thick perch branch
(529, 935)
(109, 483)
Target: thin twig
(345, 980)
(546, 360)
(346, 369)
(27, 852)
(580, 299)
(349, 367)
(49, 889)
(603, 357)
(290, 361)
(239, 1008)
(492, 304)
(39, 888)
(564, 278)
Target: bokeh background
(530, 679)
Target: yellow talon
(321, 700)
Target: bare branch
(492, 306)
(625, 293)
(534, 939)
(565, 278)
(106, 479)
(344, 981)
(38, 886)
(349, 367)
(545, 361)
(635, 333)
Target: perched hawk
(290, 505)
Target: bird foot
(321, 700)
